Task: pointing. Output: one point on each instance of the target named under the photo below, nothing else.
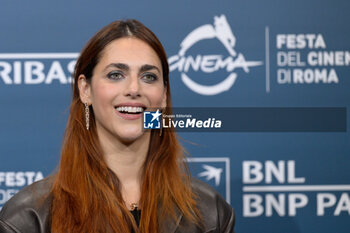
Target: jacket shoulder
(216, 212)
(28, 211)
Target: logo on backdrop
(11, 182)
(36, 68)
(211, 173)
(305, 59)
(273, 188)
(222, 32)
(213, 170)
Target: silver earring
(161, 126)
(87, 116)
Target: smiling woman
(114, 176)
(127, 80)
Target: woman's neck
(126, 161)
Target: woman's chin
(131, 136)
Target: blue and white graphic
(211, 173)
(12, 181)
(221, 31)
(36, 68)
(151, 120)
(214, 171)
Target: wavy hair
(86, 193)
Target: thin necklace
(133, 206)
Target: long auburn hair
(86, 193)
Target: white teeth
(129, 109)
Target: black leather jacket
(29, 212)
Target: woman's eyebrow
(121, 66)
(125, 67)
(147, 67)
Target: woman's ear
(84, 89)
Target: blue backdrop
(222, 54)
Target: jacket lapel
(170, 223)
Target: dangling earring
(161, 126)
(87, 116)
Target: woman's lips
(130, 111)
(128, 116)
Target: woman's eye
(115, 75)
(149, 78)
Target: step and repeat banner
(270, 79)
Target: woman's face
(127, 80)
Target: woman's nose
(133, 87)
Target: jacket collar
(170, 223)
